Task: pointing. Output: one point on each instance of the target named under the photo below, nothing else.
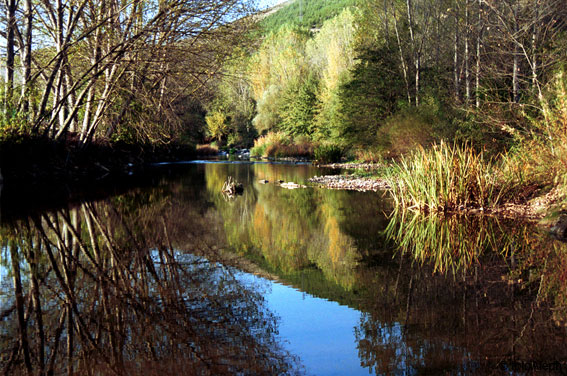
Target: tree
(279, 62)
(217, 126)
(97, 65)
(298, 109)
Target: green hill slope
(306, 13)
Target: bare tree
(92, 57)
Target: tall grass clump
(445, 178)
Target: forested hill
(305, 13)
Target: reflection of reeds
(449, 242)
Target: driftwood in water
(232, 188)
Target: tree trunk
(27, 57)
(535, 32)
(415, 52)
(10, 53)
(467, 57)
(516, 58)
(478, 43)
(402, 59)
(456, 80)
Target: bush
(328, 153)
(279, 145)
(207, 149)
(368, 156)
(261, 144)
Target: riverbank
(540, 209)
(41, 174)
(38, 161)
(533, 210)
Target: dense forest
(366, 80)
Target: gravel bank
(350, 182)
(352, 166)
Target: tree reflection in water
(470, 295)
(91, 294)
(462, 294)
(103, 288)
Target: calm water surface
(176, 278)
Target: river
(171, 276)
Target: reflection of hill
(294, 229)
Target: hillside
(307, 13)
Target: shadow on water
(141, 282)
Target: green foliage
(298, 108)
(276, 70)
(305, 13)
(539, 159)
(217, 126)
(375, 92)
(296, 77)
(268, 109)
(14, 127)
(328, 153)
(233, 98)
(332, 56)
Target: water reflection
(143, 282)
(101, 289)
(478, 295)
(437, 294)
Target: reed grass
(444, 178)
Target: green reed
(445, 178)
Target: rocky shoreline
(350, 182)
(352, 166)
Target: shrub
(207, 149)
(539, 160)
(261, 144)
(328, 153)
(279, 145)
(368, 156)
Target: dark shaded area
(43, 174)
(39, 160)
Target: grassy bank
(281, 145)
(455, 177)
